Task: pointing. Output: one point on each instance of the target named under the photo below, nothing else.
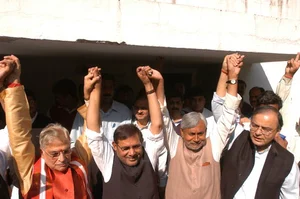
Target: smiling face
(263, 129)
(129, 150)
(195, 138)
(57, 155)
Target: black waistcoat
(238, 163)
(139, 182)
(4, 194)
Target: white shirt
(103, 152)
(290, 187)
(116, 115)
(218, 136)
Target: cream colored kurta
(193, 175)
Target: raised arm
(219, 95)
(93, 116)
(284, 85)
(226, 122)
(18, 120)
(154, 109)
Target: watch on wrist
(232, 81)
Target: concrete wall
(255, 26)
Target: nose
(61, 157)
(197, 138)
(131, 152)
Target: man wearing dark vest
(129, 166)
(194, 170)
(256, 166)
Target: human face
(175, 105)
(130, 150)
(198, 103)
(195, 138)
(253, 95)
(32, 106)
(141, 110)
(263, 129)
(57, 155)
(107, 90)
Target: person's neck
(261, 149)
(176, 116)
(106, 106)
(142, 123)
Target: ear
(181, 132)
(114, 146)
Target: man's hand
(14, 77)
(234, 64)
(292, 66)
(144, 74)
(7, 65)
(89, 81)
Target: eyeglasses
(56, 154)
(127, 148)
(264, 130)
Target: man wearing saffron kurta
(60, 172)
(194, 170)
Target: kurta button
(66, 190)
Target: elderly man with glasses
(60, 172)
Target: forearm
(160, 91)
(154, 110)
(283, 88)
(19, 126)
(93, 114)
(221, 87)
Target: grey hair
(52, 132)
(190, 120)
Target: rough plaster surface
(255, 26)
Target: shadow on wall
(254, 75)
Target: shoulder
(119, 107)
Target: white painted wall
(256, 26)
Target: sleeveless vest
(193, 175)
(238, 163)
(138, 182)
(4, 193)
(42, 185)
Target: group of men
(138, 158)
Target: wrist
(223, 71)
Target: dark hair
(141, 95)
(256, 87)
(268, 98)
(265, 109)
(65, 87)
(195, 91)
(173, 94)
(125, 131)
(30, 93)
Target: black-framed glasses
(127, 148)
(263, 130)
(56, 154)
